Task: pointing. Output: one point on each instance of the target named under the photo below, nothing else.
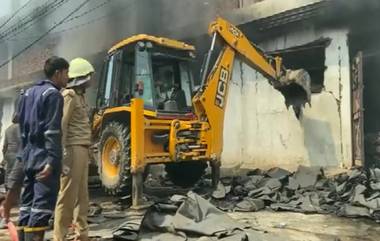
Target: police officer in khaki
(72, 203)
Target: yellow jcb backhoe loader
(147, 114)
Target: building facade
(323, 37)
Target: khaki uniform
(72, 203)
(12, 143)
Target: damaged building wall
(261, 132)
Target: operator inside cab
(169, 94)
(161, 88)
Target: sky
(5, 6)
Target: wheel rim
(110, 158)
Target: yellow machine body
(196, 135)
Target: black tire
(185, 174)
(115, 159)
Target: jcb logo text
(221, 90)
(234, 31)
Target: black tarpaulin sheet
(352, 194)
(194, 218)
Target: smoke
(99, 25)
(352, 6)
(347, 11)
(28, 25)
(120, 19)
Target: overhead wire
(35, 16)
(88, 11)
(91, 21)
(45, 34)
(31, 19)
(60, 23)
(15, 14)
(28, 16)
(11, 36)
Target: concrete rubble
(205, 214)
(308, 190)
(270, 205)
(187, 217)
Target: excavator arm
(236, 40)
(201, 139)
(210, 101)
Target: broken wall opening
(310, 57)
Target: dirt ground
(315, 227)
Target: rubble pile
(200, 214)
(308, 190)
(188, 218)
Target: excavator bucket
(295, 87)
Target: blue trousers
(38, 201)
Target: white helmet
(79, 72)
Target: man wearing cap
(72, 203)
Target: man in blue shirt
(40, 114)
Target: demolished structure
(324, 37)
(332, 40)
(203, 215)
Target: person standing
(40, 115)
(72, 203)
(16, 174)
(12, 143)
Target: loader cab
(154, 69)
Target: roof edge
(171, 43)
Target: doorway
(365, 85)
